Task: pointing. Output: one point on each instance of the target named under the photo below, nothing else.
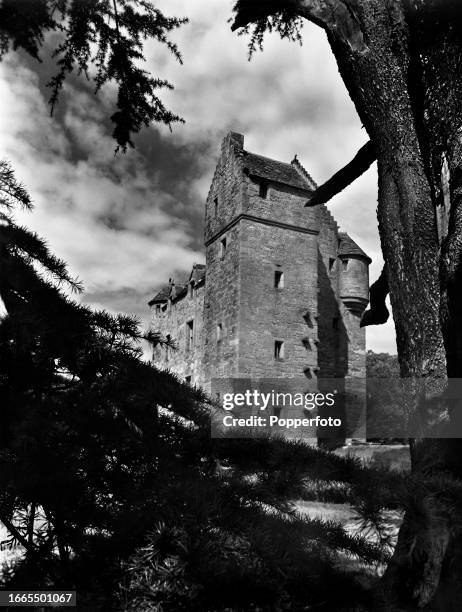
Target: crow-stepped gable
(282, 291)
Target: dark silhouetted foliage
(104, 40)
(110, 482)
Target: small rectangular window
(219, 332)
(279, 279)
(189, 335)
(215, 206)
(331, 264)
(335, 323)
(345, 264)
(279, 349)
(263, 190)
(222, 248)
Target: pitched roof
(178, 290)
(347, 246)
(169, 291)
(162, 296)
(273, 170)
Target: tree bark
(407, 88)
(406, 85)
(437, 46)
(401, 69)
(380, 80)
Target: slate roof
(162, 296)
(347, 246)
(179, 290)
(273, 170)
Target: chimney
(237, 140)
(172, 293)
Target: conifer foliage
(110, 482)
(103, 40)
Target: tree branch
(378, 312)
(251, 11)
(335, 16)
(18, 535)
(344, 177)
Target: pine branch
(109, 35)
(20, 242)
(23, 24)
(17, 535)
(12, 192)
(335, 16)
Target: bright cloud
(125, 224)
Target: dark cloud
(127, 223)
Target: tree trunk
(436, 43)
(393, 57)
(382, 83)
(378, 82)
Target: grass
(391, 456)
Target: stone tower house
(282, 291)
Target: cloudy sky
(125, 224)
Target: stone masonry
(282, 292)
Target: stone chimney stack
(237, 140)
(171, 282)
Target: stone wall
(263, 234)
(224, 200)
(332, 348)
(221, 308)
(283, 204)
(269, 314)
(239, 314)
(172, 318)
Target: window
(168, 337)
(188, 379)
(222, 248)
(279, 349)
(219, 332)
(157, 308)
(279, 279)
(263, 190)
(331, 264)
(215, 205)
(189, 335)
(335, 323)
(345, 264)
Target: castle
(282, 292)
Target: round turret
(354, 274)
